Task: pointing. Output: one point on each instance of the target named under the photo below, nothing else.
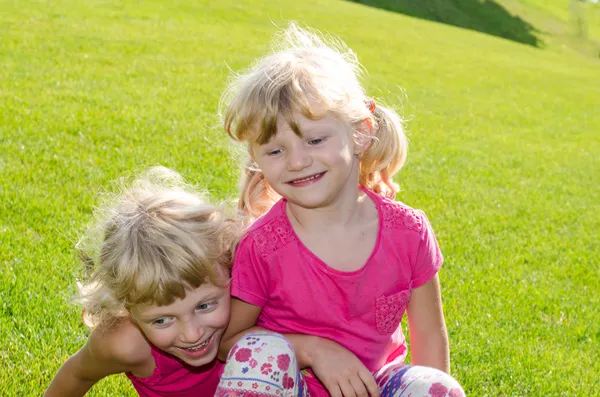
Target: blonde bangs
(301, 65)
(161, 273)
(157, 241)
(261, 97)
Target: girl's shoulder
(122, 343)
(397, 215)
(274, 219)
(269, 233)
(275, 213)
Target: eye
(273, 152)
(206, 306)
(316, 141)
(162, 321)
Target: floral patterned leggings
(264, 365)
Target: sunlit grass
(504, 160)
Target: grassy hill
(504, 130)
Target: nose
(191, 332)
(298, 158)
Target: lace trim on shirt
(398, 216)
(390, 309)
(273, 235)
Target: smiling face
(315, 169)
(190, 328)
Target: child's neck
(342, 213)
(342, 235)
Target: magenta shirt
(361, 310)
(174, 378)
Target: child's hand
(341, 371)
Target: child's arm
(428, 335)
(106, 352)
(243, 320)
(322, 355)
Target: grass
(504, 149)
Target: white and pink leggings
(264, 365)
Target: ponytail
(257, 195)
(386, 153)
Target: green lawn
(503, 140)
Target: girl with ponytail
(331, 262)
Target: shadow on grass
(484, 16)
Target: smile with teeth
(308, 178)
(197, 347)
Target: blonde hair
(157, 239)
(305, 65)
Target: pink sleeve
(429, 257)
(250, 279)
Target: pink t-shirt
(361, 310)
(174, 378)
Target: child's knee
(420, 381)
(263, 351)
(436, 382)
(262, 362)
(261, 343)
